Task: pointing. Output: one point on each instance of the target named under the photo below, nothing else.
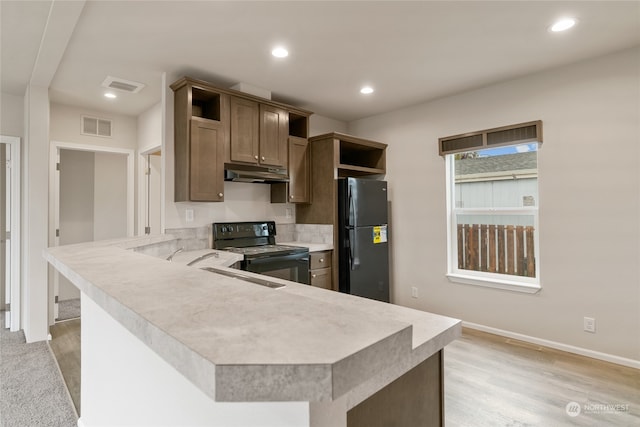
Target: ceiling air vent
(96, 127)
(122, 84)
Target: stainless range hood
(256, 174)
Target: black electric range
(256, 241)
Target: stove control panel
(243, 232)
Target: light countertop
(313, 247)
(220, 258)
(315, 344)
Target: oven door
(293, 267)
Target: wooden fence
(506, 249)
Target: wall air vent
(122, 84)
(96, 126)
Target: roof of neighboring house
(505, 163)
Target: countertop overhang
(238, 341)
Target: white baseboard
(556, 345)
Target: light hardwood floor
(496, 381)
(490, 381)
(65, 344)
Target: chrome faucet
(170, 257)
(205, 256)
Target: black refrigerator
(363, 238)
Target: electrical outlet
(188, 213)
(414, 292)
(590, 324)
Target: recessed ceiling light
(563, 25)
(280, 52)
(366, 90)
(110, 95)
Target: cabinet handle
(291, 196)
(321, 259)
(313, 276)
(220, 194)
(263, 158)
(255, 157)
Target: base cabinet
(416, 399)
(320, 269)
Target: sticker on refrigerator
(380, 234)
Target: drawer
(319, 259)
(321, 278)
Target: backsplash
(308, 233)
(195, 238)
(191, 239)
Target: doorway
(92, 193)
(10, 301)
(150, 187)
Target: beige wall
(11, 115)
(319, 125)
(589, 209)
(150, 128)
(66, 121)
(110, 196)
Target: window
(492, 196)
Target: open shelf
(298, 125)
(351, 170)
(205, 104)
(359, 157)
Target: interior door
(153, 197)
(5, 230)
(10, 230)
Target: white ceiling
(410, 52)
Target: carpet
(32, 391)
(68, 309)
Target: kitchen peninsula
(168, 344)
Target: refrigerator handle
(354, 258)
(351, 211)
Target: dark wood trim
(484, 133)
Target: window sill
(508, 285)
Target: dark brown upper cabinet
(201, 118)
(214, 126)
(258, 133)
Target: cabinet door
(321, 278)
(299, 170)
(206, 173)
(274, 130)
(244, 130)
